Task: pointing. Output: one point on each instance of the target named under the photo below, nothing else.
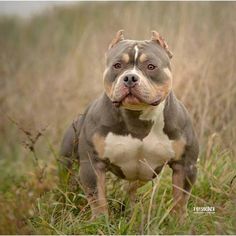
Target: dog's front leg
(92, 177)
(183, 178)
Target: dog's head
(137, 73)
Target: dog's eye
(117, 65)
(151, 67)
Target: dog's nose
(130, 80)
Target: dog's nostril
(126, 79)
(134, 79)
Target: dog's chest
(139, 158)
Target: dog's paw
(99, 215)
(180, 213)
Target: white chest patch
(139, 158)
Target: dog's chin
(133, 102)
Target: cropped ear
(119, 37)
(156, 37)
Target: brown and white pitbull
(136, 126)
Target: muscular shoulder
(176, 117)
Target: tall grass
(51, 68)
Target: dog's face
(138, 73)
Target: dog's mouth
(132, 99)
(128, 98)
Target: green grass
(43, 204)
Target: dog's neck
(140, 123)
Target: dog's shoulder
(178, 123)
(175, 116)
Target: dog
(135, 127)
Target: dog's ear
(156, 37)
(119, 37)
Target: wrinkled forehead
(132, 51)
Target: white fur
(139, 158)
(168, 72)
(136, 53)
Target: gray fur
(102, 117)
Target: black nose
(130, 80)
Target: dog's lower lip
(116, 103)
(131, 99)
(156, 102)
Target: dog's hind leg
(69, 154)
(69, 145)
(131, 188)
